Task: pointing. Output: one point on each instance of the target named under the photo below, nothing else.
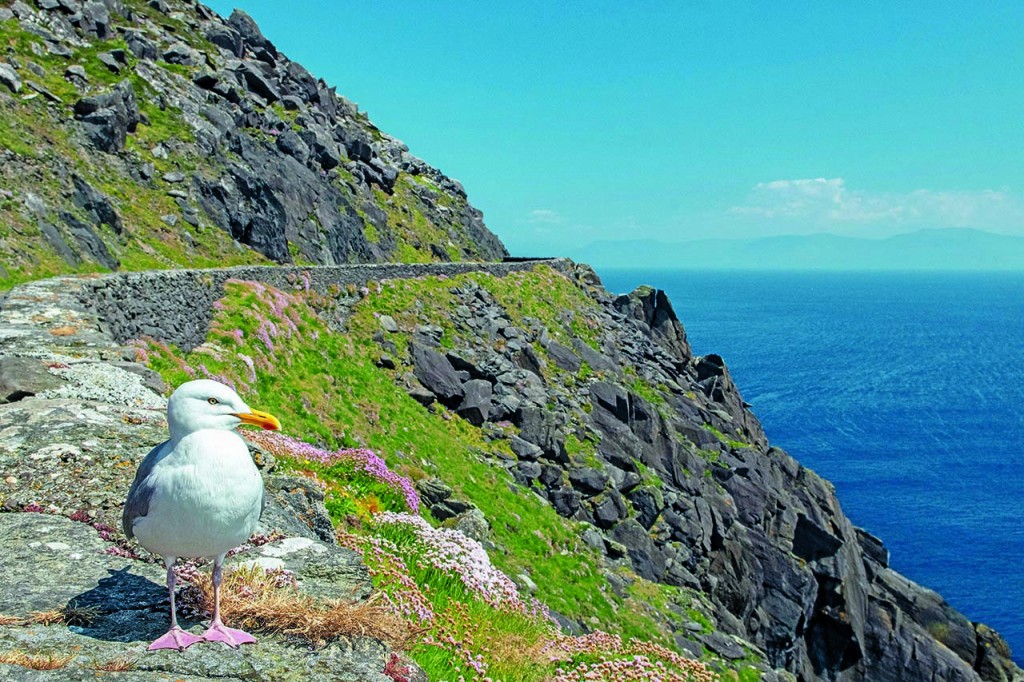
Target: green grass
(326, 388)
(725, 438)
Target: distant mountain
(934, 249)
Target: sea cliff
(614, 476)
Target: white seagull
(198, 494)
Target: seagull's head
(205, 404)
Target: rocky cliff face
(148, 135)
(137, 135)
(619, 426)
(622, 427)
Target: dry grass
(66, 330)
(69, 615)
(34, 661)
(117, 665)
(253, 598)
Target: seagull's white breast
(207, 497)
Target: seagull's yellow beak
(264, 420)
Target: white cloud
(544, 216)
(829, 204)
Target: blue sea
(905, 390)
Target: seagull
(198, 494)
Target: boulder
(226, 38)
(608, 510)
(436, 373)
(565, 500)
(563, 357)
(9, 78)
(95, 204)
(108, 118)
(646, 558)
(89, 242)
(139, 45)
(648, 502)
(588, 480)
(250, 31)
(258, 82)
(181, 53)
(22, 377)
(473, 524)
(524, 449)
(476, 403)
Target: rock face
(251, 142)
(76, 421)
(677, 478)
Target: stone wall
(176, 306)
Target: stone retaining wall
(176, 306)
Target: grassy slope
(326, 387)
(37, 131)
(46, 146)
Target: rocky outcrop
(75, 420)
(206, 119)
(654, 448)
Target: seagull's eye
(212, 401)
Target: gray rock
(225, 38)
(108, 60)
(476, 402)
(646, 558)
(566, 501)
(57, 242)
(648, 502)
(108, 118)
(139, 45)
(609, 510)
(588, 480)
(723, 645)
(76, 74)
(259, 82)
(9, 78)
(292, 144)
(95, 204)
(526, 472)
(250, 31)
(598, 362)
(524, 449)
(180, 53)
(96, 20)
(473, 524)
(89, 242)
(563, 357)
(436, 374)
(23, 377)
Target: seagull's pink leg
(218, 632)
(176, 638)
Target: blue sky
(571, 122)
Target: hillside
(945, 249)
(138, 135)
(521, 475)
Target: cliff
(612, 475)
(139, 135)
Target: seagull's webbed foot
(218, 632)
(176, 638)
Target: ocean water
(905, 390)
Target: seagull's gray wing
(141, 492)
